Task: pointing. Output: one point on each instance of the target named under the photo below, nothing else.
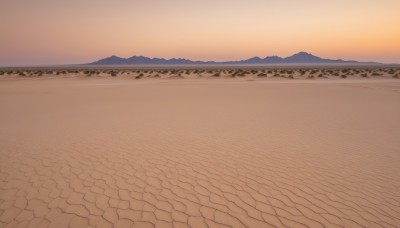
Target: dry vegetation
(291, 73)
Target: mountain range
(299, 58)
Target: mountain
(299, 58)
(304, 57)
(141, 60)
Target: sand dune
(199, 153)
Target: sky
(47, 32)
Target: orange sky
(77, 31)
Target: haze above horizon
(50, 32)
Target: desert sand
(104, 152)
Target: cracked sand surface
(101, 153)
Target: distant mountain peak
(303, 53)
(298, 58)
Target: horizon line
(211, 62)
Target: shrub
(113, 73)
(345, 71)
(262, 75)
(90, 72)
(343, 76)
(139, 76)
(217, 74)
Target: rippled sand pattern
(104, 153)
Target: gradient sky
(41, 32)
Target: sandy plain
(104, 152)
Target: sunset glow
(46, 32)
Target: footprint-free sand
(199, 153)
